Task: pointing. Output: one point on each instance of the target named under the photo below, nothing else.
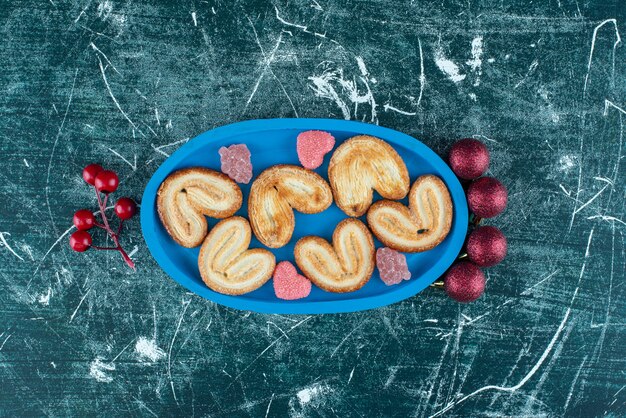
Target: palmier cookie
(344, 266)
(227, 265)
(187, 195)
(276, 193)
(421, 226)
(363, 164)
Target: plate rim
(457, 233)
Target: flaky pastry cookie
(187, 195)
(227, 265)
(419, 227)
(362, 164)
(344, 266)
(276, 193)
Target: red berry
(84, 219)
(487, 197)
(486, 246)
(464, 282)
(106, 181)
(90, 172)
(125, 208)
(80, 241)
(469, 158)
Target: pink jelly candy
(312, 146)
(391, 266)
(288, 284)
(236, 162)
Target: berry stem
(126, 257)
(114, 236)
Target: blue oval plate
(271, 142)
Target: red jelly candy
(288, 284)
(392, 266)
(236, 163)
(312, 146)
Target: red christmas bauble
(469, 158)
(464, 282)
(486, 246)
(487, 197)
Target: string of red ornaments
(487, 197)
(104, 183)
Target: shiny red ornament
(487, 197)
(125, 208)
(486, 246)
(464, 282)
(469, 158)
(84, 219)
(80, 241)
(90, 172)
(106, 181)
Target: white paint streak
(422, 77)
(607, 218)
(593, 47)
(308, 394)
(169, 352)
(5, 341)
(7, 246)
(531, 69)
(267, 348)
(316, 6)
(571, 390)
(79, 304)
(525, 379)
(387, 107)
(590, 200)
(133, 251)
(548, 277)
(148, 350)
(566, 162)
(132, 165)
(267, 411)
(98, 370)
(476, 62)
(67, 231)
(448, 67)
(108, 87)
(303, 28)
(95, 48)
(54, 146)
(608, 103)
(159, 149)
(268, 61)
(45, 299)
(323, 86)
(543, 356)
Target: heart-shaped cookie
(187, 195)
(344, 266)
(312, 146)
(227, 265)
(288, 284)
(276, 193)
(421, 226)
(363, 164)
